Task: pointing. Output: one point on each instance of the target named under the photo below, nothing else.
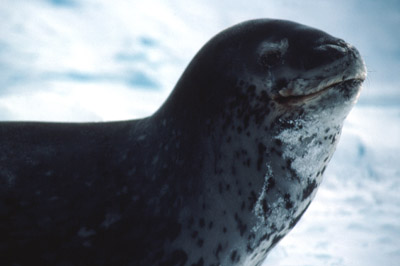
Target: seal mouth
(294, 99)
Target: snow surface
(98, 60)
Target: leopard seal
(217, 176)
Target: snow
(70, 60)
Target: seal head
(217, 176)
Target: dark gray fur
(214, 177)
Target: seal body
(217, 176)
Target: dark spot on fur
(261, 148)
(210, 225)
(278, 142)
(249, 249)
(264, 96)
(323, 169)
(294, 222)
(311, 185)
(251, 89)
(261, 152)
(224, 229)
(194, 234)
(266, 209)
(237, 154)
(218, 250)
(252, 199)
(254, 256)
(220, 189)
(191, 222)
(288, 202)
(200, 242)
(178, 257)
(240, 225)
(273, 150)
(266, 236)
(234, 256)
(233, 170)
(259, 162)
(201, 222)
(271, 183)
(243, 205)
(199, 263)
(275, 240)
(246, 121)
(251, 236)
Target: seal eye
(270, 58)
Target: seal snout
(329, 63)
(326, 53)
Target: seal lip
(295, 99)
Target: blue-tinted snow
(95, 60)
(62, 3)
(148, 41)
(139, 79)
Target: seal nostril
(342, 43)
(333, 41)
(336, 52)
(329, 47)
